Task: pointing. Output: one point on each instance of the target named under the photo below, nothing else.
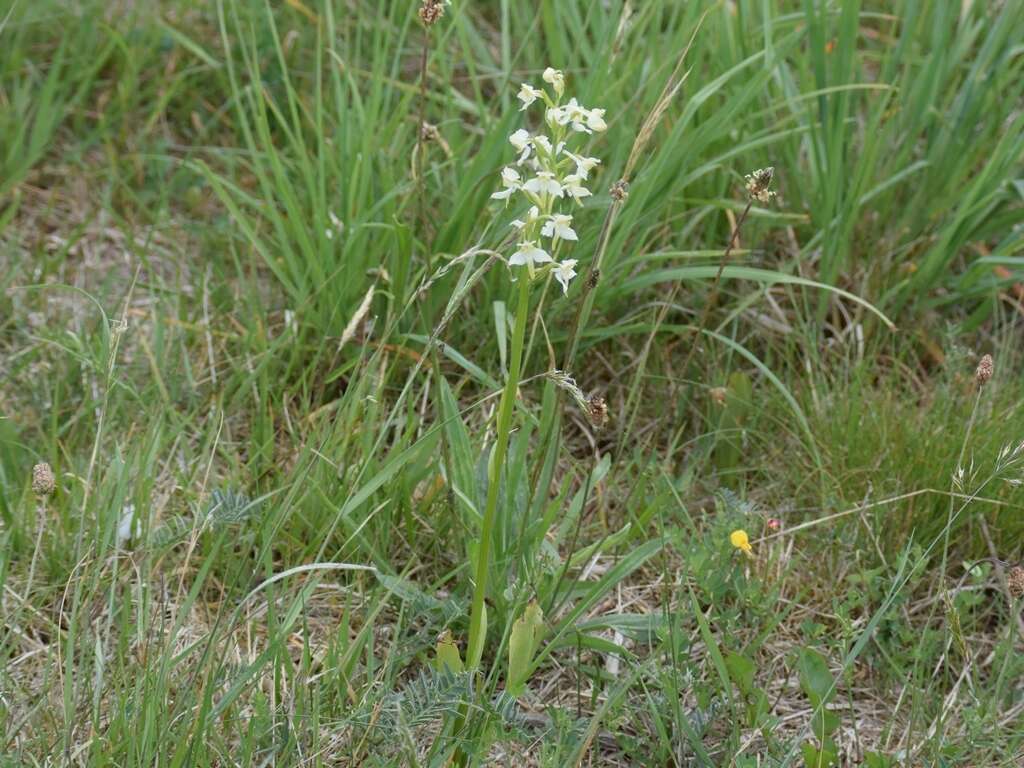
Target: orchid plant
(549, 178)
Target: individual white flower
(576, 190)
(584, 165)
(544, 183)
(564, 272)
(575, 113)
(531, 216)
(558, 226)
(595, 120)
(556, 116)
(528, 94)
(511, 181)
(555, 77)
(521, 141)
(528, 255)
(543, 142)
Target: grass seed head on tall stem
(984, 371)
(758, 183)
(431, 11)
(43, 480)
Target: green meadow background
(248, 316)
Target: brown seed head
(43, 481)
(431, 11)
(984, 370)
(758, 183)
(597, 410)
(429, 132)
(619, 190)
(1015, 581)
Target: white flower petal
(564, 272)
(520, 140)
(556, 116)
(595, 120)
(544, 183)
(556, 78)
(528, 254)
(527, 94)
(558, 226)
(572, 186)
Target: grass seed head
(597, 410)
(43, 481)
(1015, 581)
(758, 183)
(431, 11)
(619, 190)
(593, 406)
(984, 371)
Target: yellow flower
(739, 539)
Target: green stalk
(477, 623)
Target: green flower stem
(477, 624)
